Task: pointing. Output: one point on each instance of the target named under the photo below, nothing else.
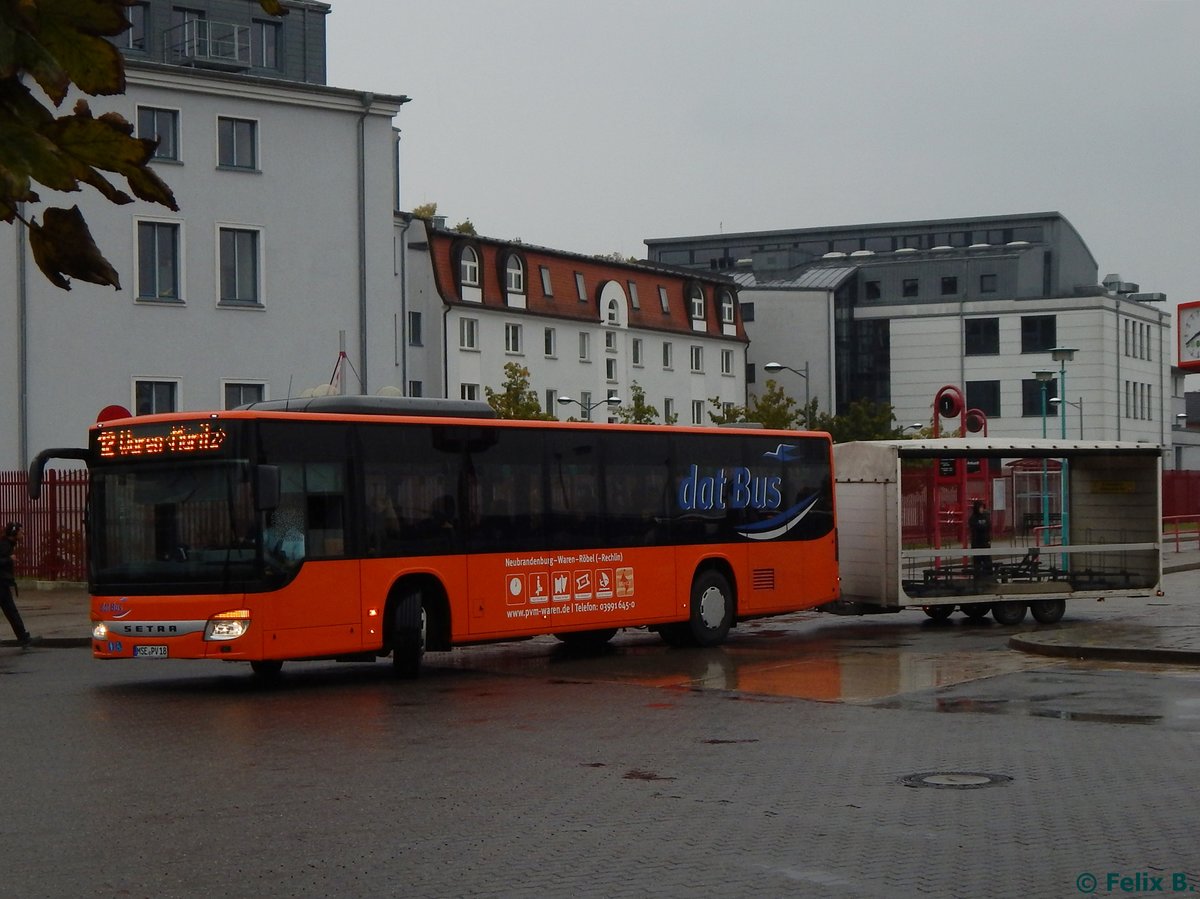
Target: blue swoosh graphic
(780, 524)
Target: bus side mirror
(266, 487)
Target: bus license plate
(155, 651)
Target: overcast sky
(590, 126)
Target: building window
(468, 334)
(610, 341)
(696, 302)
(910, 287)
(1038, 333)
(551, 401)
(663, 301)
(668, 355)
(514, 274)
(1031, 397)
(633, 295)
(152, 397)
(585, 403)
(635, 351)
(610, 369)
(512, 338)
(726, 362)
(158, 261)
(468, 391)
(135, 37)
(985, 396)
(468, 267)
(243, 394)
(237, 143)
(747, 312)
(416, 388)
(161, 125)
(264, 44)
(697, 358)
(581, 287)
(873, 291)
(981, 337)
(668, 411)
(949, 286)
(697, 412)
(987, 283)
(585, 346)
(551, 342)
(727, 312)
(239, 250)
(547, 288)
(414, 329)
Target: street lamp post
(1044, 376)
(774, 367)
(1062, 355)
(588, 407)
(1054, 400)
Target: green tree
(425, 211)
(466, 227)
(60, 43)
(772, 409)
(637, 411)
(515, 399)
(862, 420)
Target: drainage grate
(955, 780)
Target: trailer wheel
(1008, 612)
(712, 609)
(938, 613)
(1048, 611)
(976, 611)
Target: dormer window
(696, 300)
(468, 273)
(613, 314)
(468, 267)
(727, 308)
(515, 275)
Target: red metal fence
(52, 546)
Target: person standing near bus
(8, 582)
(980, 526)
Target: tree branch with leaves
(59, 44)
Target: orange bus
(354, 528)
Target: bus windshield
(190, 526)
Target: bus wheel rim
(712, 607)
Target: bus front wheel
(408, 636)
(712, 609)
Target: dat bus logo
(733, 488)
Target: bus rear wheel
(938, 613)
(712, 609)
(1048, 611)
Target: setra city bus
(354, 528)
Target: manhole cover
(954, 780)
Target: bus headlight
(228, 625)
(99, 630)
